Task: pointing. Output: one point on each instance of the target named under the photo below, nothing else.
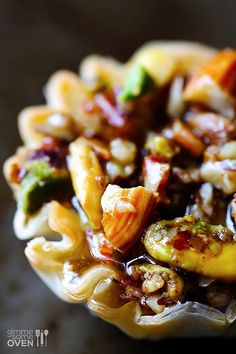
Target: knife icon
(41, 338)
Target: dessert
(126, 188)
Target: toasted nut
(88, 180)
(228, 151)
(184, 137)
(194, 246)
(165, 282)
(214, 84)
(214, 128)
(126, 212)
(123, 154)
(222, 174)
(188, 175)
(123, 151)
(153, 283)
(115, 170)
(219, 167)
(156, 174)
(223, 152)
(159, 145)
(175, 104)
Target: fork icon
(37, 334)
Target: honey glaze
(125, 287)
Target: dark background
(36, 39)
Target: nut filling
(126, 188)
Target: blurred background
(36, 39)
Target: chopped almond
(126, 212)
(185, 138)
(214, 84)
(88, 179)
(156, 174)
(213, 128)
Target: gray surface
(37, 38)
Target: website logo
(27, 337)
